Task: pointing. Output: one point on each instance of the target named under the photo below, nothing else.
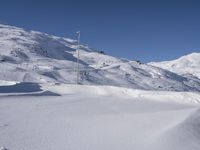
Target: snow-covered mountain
(38, 98)
(30, 56)
(186, 65)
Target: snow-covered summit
(30, 56)
(185, 65)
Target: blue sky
(146, 30)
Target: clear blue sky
(146, 30)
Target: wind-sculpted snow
(30, 56)
(100, 118)
(185, 135)
(110, 91)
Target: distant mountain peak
(188, 64)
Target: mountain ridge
(31, 56)
(185, 65)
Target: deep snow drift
(30, 56)
(100, 117)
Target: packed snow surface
(100, 117)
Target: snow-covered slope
(30, 56)
(186, 65)
(109, 118)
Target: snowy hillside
(42, 109)
(186, 65)
(30, 56)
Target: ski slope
(100, 117)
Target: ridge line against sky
(138, 30)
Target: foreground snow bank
(99, 118)
(184, 135)
(182, 97)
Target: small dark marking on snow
(22, 87)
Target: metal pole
(78, 55)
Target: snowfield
(119, 104)
(100, 117)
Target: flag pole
(78, 56)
